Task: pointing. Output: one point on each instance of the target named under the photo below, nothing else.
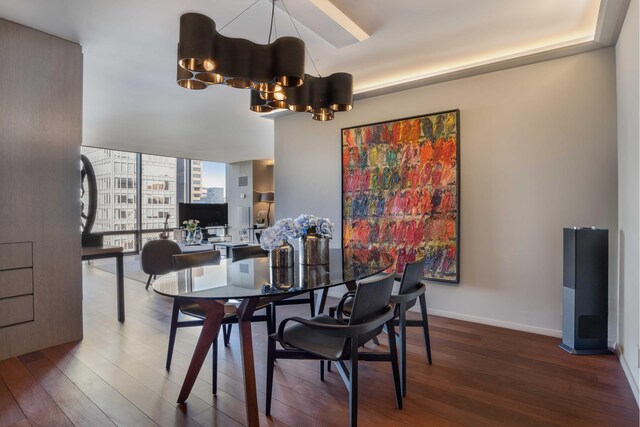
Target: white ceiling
(132, 102)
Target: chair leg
(353, 385)
(271, 356)
(271, 326)
(148, 282)
(322, 370)
(393, 352)
(214, 358)
(226, 334)
(273, 314)
(403, 349)
(312, 303)
(172, 332)
(375, 340)
(425, 326)
(332, 313)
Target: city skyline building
(165, 182)
(196, 181)
(212, 195)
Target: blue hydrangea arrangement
(311, 224)
(288, 228)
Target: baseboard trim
(338, 292)
(499, 323)
(627, 372)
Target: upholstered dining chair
(411, 290)
(327, 338)
(156, 258)
(247, 252)
(193, 309)
(195, 259)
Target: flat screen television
(209, 214)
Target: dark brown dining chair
(247, 252)
(411, 290)
(327, 338)
(192, 308)
(156, 258)
(195, 259)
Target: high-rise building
(196, 181)
(116, 176)
(116, 180)
(212, 195)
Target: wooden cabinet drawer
(16, 310)
(16, 282)
(15, 255)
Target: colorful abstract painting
(400, 192)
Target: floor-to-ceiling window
(116, 176)
(208, 182)
(159, 194)
(138, 193)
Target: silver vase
(282, 256)
(313, 276)
(282, 277)
(314, 250)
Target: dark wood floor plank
(73, 402)
(10, 412)
(481, 376)
(232, 406)
(105, 397)
(143, 374)
(145, 399)
(35, 402)
(215, 417)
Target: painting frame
(355, 141)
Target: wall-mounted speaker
(585, 291)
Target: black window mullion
(188, 183)
(138, 238)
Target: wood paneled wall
(40, 137)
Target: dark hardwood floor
(481, 376)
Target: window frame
(138, 232)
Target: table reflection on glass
(254, 283)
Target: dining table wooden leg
(245, 313)
(210, 328)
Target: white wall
(538, 153)
(628, 192)
(239, 198)
(243, 201)
(40, 137)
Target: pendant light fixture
(274, 73)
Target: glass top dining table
(254, 283)
(252, 278)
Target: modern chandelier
(274, 73)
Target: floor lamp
(269, 199)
